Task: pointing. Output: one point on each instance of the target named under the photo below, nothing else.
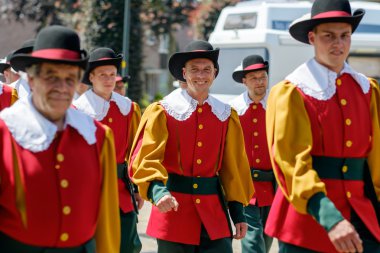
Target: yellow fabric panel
(374, 155)
(14, 96)
(147, 166)
(290, 142)
(107, 233)
(235, 172)
(135, 121)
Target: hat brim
(24, 50)
(178, 61)
(4, 66)
(92, 65)
(240, 74)
(300, 30)
(20, 62)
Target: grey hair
(35, 70)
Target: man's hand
(139, 200)
(345, 238)
(241, 230)
(167, 203)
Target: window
(368, 65)
(240, 21)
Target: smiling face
(331, 43)
(103, 80)
(199, 74)
(53, 87)
(256, 83)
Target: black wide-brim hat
(250, 63)
(195, 49)
(325, 11)
(6, 64)
(101, 56)
(54, 44)
(26, 47)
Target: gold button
(64, 237)
(200, 126)
(200, 110)
(60, 157)
(348, 122)
(254, 120)
(255, 175)
(57, 166)
(348, 143)
(256, 146)
(195, 186)
(255, 134)
(110, 120)
(199, 161)
(338, 82)
(254, 107)
(343, 101)
(64, 183)
(348, 194)
(199, 144)
(344, 168)
(66, 210)
(257, 160)
(197, 201)
(151, 200)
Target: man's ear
(311, 36)
(184, 73)
(91, 77)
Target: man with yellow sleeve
(188, 158)
(324, 137)
(58, 188)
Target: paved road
(149, 244)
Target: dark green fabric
(223, 245)
(290, 248)
(236, 212)
(256, 241)
(192, 185)
(156, 191)
(262, 175)
(324, 211)
(331, 167)
(10, 245)
(130, 241)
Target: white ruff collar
(242, 102)
(34, 132)
(97, 107)
(318, 81)
(22, 87)
(180, 105)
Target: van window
(368, 65)
(368, 28)
(281, 24)
(240, 21)
(229, 59)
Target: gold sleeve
(290, 142)
(150, 142)
(373, 156)
(135, 121)
(107, 233)
(14, 97)
(235, 173)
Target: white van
(261, 27)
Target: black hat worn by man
(250, 63)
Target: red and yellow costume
(57, 189)
(312, 118)
(7, 96)
(179, 137)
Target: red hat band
(332, 14)
(255, 66)
(56, 54)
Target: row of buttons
(348, 121)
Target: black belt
(193, 185)
(262, 175)
(339, 168)
(122, 174)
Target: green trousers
(223, 245)
(130, 241)
(255, 241)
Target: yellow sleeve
(290, 142)
(373, 156)
(135, 121)
(152, 134)
(14, 97)
(235, 173)
(107, 233)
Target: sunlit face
(331, 43)
(103, 80)
(256, 82)
(53, 89)
(199, 74)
